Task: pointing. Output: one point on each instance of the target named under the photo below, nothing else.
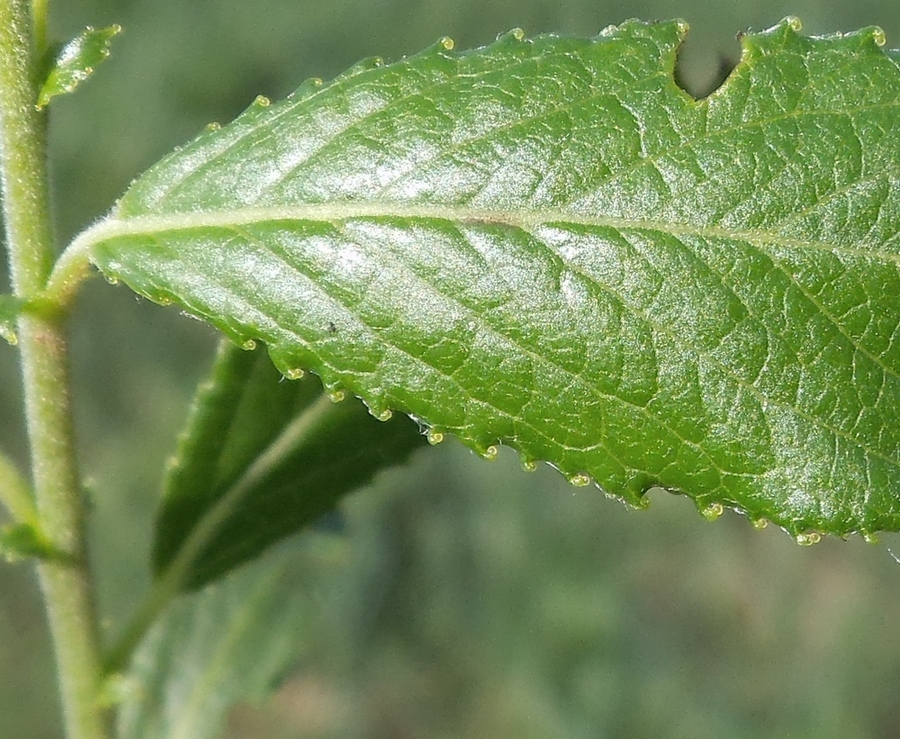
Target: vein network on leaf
(545, 243)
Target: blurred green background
(465, 598)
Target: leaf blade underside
(545, 243)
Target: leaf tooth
(306, 89)
(808, 538)
(877, 34)
(490, 452)
(638, 500)
(528, 464)
(295, 373)
(866, 37)
(378, 410)
(257, 108)
(712, 511)
(611, 30)
(485, 447)
(579, 480)
(364, 65)
(514, 35)
(641, 29)
(434, 436)
(173, 462)
(235, 336)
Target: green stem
(39, 22)
(67, 586)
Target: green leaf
(10, 308)
(230, 642)
(262, 458)
(76, 61)
(23, 541)
(547, 244)
(15, 493)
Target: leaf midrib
(524, 219)
(337, 213)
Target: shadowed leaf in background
(262, 458)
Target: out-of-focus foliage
(470, 599)
(215, 647)
(484, 602)
(265, 458)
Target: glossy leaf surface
(262, 458)
(76, 62)
(546, 243)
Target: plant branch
(66, 583)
